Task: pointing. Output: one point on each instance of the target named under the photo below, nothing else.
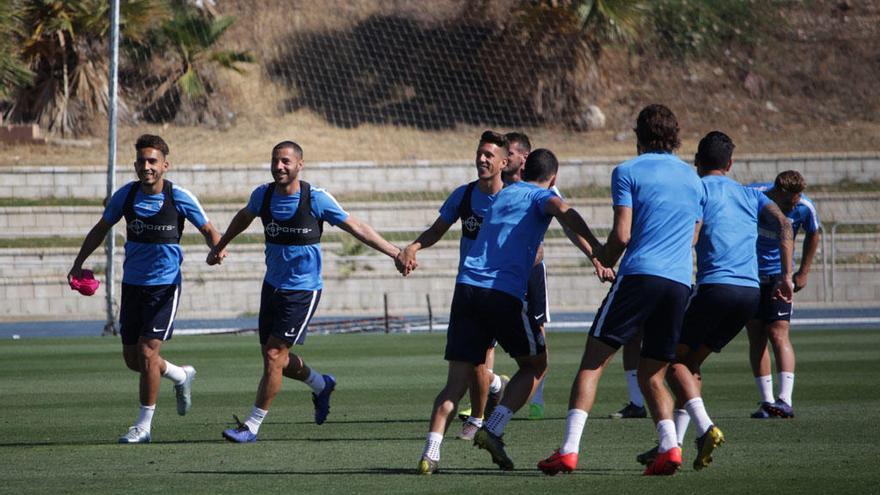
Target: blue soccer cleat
(763, 411)
(240, 434)
(322, 400)
(781, 409)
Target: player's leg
(778, 333)
(458, 376)
(759, 358)
(478, 387)
(635, 407)
(538, 306)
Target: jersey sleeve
(621, 187)
(811, 217)
(326, 208)
(113, 210)
(449, 210)
(188, 206)
(763, 199)
(256, 200)
(704, 200)
(542, 196)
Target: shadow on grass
(390, 471)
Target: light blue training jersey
(480, 203)
(296, 267)
(502, 256)
(730, 229)
(667, 199)
(802, 215)
(146, 263)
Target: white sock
(765, 387)
(174, 373)
(256, 419)
(666, 433)
(145, 417)
(697, 410)
(498, 420)
(432, 446)
(786, 386)
(315, 381)
(681, 418)
(495, 385)
(574, 428)
(632, 385)
(478, 422)
(538, 396)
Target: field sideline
(65, 401)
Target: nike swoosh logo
(782, 314)
(538, 317)
(158, 330)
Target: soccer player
(727, 292)
(773, 319)
(293, 213)
(488, 301)
(154, 211)
(658, 203)
(470, 203)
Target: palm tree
(63, 42)
(13, 71)
(187, 44)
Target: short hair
(521, 138)
(657, 129)
(790, 181)
(289, 144)
(714, 151)
(151, 141)
(540, 166)
(495, 138)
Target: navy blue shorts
(770, 309)
(148, 311)
(647, 303)
(286, 313)
(536, 296)
(716, 314)
(479, 316)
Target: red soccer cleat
(558, 462)
(665, 464)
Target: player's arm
(811, 245)
(212, 237)
(93, 239)
(583, 237)
(772, 215)
(364, 233)
(697, 227)
(619, 236)
(406, 261)
(239, 223)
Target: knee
(132, 362)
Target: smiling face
(150, 165)
(286, 165)
(491, 160)
(515, 161)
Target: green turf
(65, 401)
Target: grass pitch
(65, 401)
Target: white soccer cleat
(136, 435)
(183, 391)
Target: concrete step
(409, 216)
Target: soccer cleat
(495, 397)
(630, 411)
(322, 400)
(648, 456)
(239, 434)
(558, 463)
(485, 440)
(136, 435)
(665, 464)
(763, 411)
(468, 430)
(536, 411)
(464, 414)
(428, 466)
(183, 391)
(780, 409)
(707, 443)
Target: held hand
(604, 274)
(75, 272)
(405, 261)
(784, 289)
(216, 257)
(800, 281)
